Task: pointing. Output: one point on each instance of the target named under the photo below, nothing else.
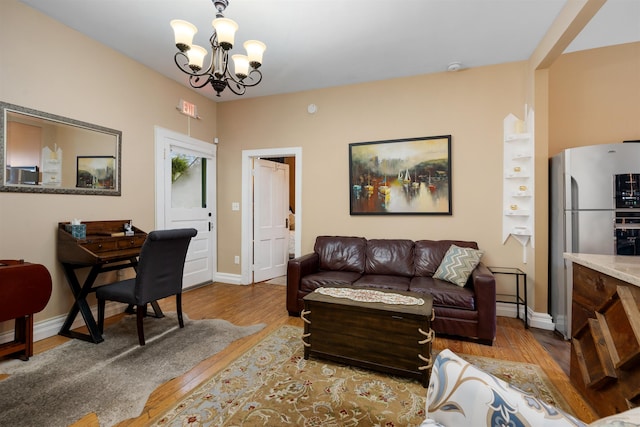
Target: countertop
(625, 268)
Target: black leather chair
(159, 275)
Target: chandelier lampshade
(226, 31)
(241, 65)
(255, 50)
(190, 58)
(184, 32)
(196, 57)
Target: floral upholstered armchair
(460, 394)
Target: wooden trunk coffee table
(393, 338)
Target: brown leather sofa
(399, 264)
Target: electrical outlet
(236, 259)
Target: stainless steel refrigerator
(582, 213)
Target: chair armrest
(484, 286)
(297, 268)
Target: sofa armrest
(297, 268)
(484, 286)
(461, 394)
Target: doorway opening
(247, 233)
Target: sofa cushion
(457, 265)
(321, 279)
(389, 256)
(381, 281)
(444, 314)
(628, 418)
(460, 394)
(445, 294)
(429, 254)
(341, 253)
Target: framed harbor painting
(95, 172)
(401, 177)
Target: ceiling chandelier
(190, 57)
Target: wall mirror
(46, 153)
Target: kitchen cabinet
(605, 344)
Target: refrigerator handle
(571, 243)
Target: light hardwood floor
(264, 303)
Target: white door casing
(247, 200)
(270, 219)
(198, 210)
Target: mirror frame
(4, 187)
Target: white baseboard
(536, 320)
(50, 327)
(541, 321)
(232, 279)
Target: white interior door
(271, 219)
(186, 198)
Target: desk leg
(157, 311)
(81, 306)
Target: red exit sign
(188, 109)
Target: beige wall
(470, 105)
(588, 97)
(585, 97)
(49, 67)
(594, 97)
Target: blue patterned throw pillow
(457, 265)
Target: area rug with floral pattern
(273, 385)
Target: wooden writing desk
(103, 249)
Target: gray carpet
(114, 378)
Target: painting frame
(97, 172)
(409, 176)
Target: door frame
(271, 231)
(246, 233)
(190, 143)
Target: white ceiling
(315, 44)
